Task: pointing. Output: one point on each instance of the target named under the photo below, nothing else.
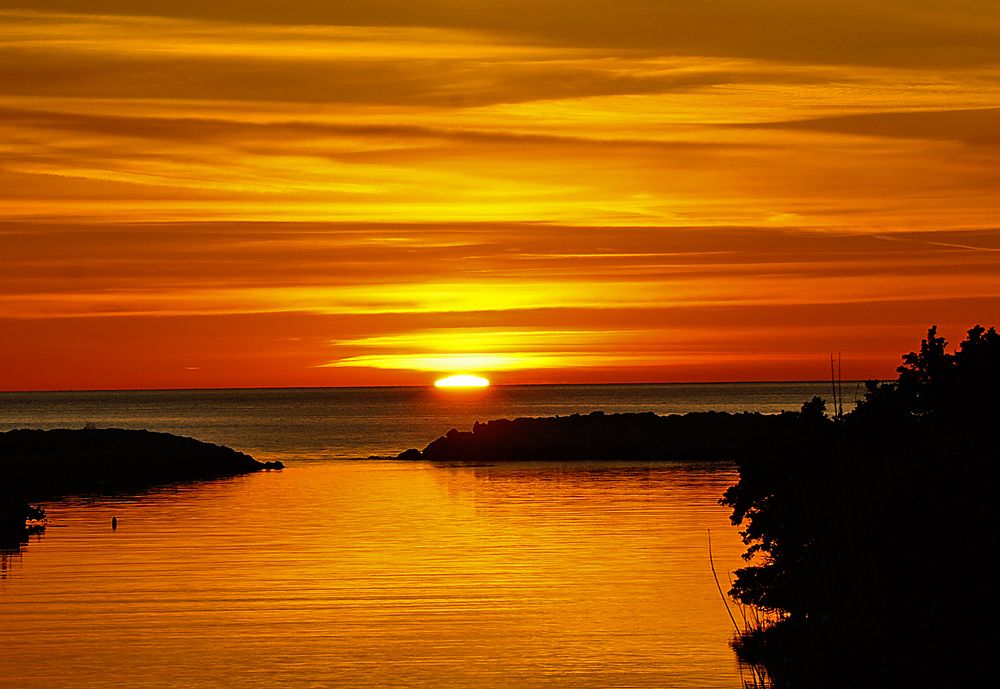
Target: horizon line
(428, 387)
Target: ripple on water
(380, 574)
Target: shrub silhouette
(866, 541)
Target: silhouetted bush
(867, 544)
(18, 518)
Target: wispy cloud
(577, 187)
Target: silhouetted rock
(600, 436)
(41, 465)
(411, 454)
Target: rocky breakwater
(600, 436)
(42, 465)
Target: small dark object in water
(275, 465)
(114, 523)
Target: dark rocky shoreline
(37, 465)
(707, 436)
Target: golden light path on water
(382, 574)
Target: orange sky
(215, 194)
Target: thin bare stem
(711, 561)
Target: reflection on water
(12, 545)
(380, 574)
(9, 557)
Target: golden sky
(305, 192)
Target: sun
(462, 381)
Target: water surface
(381, 574)
(323, 423)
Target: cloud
(219, 268)
(975, 127)
(117, 57)
(894, 32)
(716, 188)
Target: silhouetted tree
(959, 387)
(865, 537)
(814, 408)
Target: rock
(410, 455)
(600, 436)
(50, 464)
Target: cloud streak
(357, 192)
(895, 32)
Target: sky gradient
(223, 194)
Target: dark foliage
(18, 518)
(868, 543)
(959, 388)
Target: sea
(345, 570)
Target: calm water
(374, 573)
(379, 574)
(358, 422)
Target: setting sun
(462, 381)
